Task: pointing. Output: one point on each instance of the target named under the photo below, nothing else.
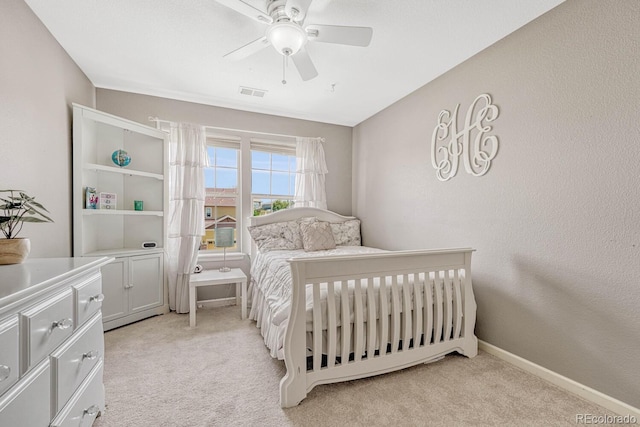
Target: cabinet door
(28, 403)
(9, 362)
(146, 279)
(114, 281)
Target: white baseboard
(565, 383)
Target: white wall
(38, 83)
(556, 221)
(337, 144)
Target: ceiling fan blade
(305, 66)
(248, 49)
(353, 36)
(247, 10)
(297, 9)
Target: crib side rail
(423, 305)
(337, 267)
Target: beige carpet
(159, 372)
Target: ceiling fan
(288, 35)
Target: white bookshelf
(94, 167)
(135, 284)
(120, 212)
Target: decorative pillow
(347, 233)
(276, 236)
(316, 236)
(307, 219)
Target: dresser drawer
(86, 403)
(45, 326)
(73, 361)
(27, 404)
(9, 366)
(87, 298)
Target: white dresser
(51, 342)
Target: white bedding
(270, 290)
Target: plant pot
(14, 251)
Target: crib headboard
(293, 214)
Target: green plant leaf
(33, 211)
(33, 219)
(38, 205)
(17, 210)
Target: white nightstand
(215, 277)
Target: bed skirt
(261, 312)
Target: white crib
(403, 308)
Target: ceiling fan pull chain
(284, 67)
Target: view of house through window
(222, 191)
(272, 186)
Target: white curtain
(187, 157)
(310, 171)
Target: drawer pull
(90, 355)
(96, 298)
(91, 411)
(62, 324)
(5, 371)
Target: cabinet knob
(62, 324)
(96, 298)
(91, 411)
(129, 286)
(90, 355)
(5, 371)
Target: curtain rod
(157, 120)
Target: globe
(121, 158)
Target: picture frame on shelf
(91, 198)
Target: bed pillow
(276, 236)
(307, 219)
(316, 236)
(347, 233)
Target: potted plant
(16, 208)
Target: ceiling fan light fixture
(286, 37)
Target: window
(221, 192)
(245, 175)
(272, 180)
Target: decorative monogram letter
(477, 154)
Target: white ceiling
(174, 49)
